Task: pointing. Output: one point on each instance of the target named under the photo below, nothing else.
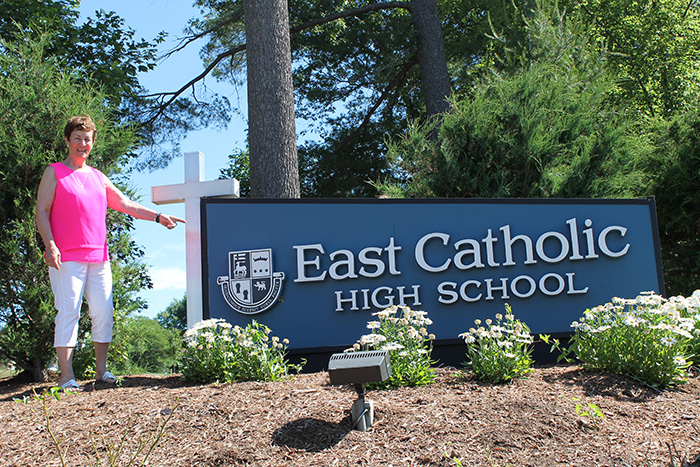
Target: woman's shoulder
(58, 168)
(51, 170)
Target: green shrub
(501, 350)
(175, 315)
(648, 337)
(216, 351)
(690, 308)
(37, 95)
(403, 332)
(149, 347)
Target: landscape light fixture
(359, 368)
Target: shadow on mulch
(18, 387)
(311, 434)
(596, 383)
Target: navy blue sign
(315, 271)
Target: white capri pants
(69, 283)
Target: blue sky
(165, 250)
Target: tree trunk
(38, 372)
(274, 167)
(435, 78)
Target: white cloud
(157, 252)
(168, 278)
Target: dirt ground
(305, 421)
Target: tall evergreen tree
(381, 61)
(549, 122)
(655, 49)
(36, 98)
(274, 171)
(108, 53)
(547, 129)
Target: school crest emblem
(251, 286)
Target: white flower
(208, 336)
(683, 333)
(392, 346)
(414, 334)
(372, 339)
(468, 338)
(208, 323)
(667, 341)
(386, 313)
(631, 321)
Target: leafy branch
(165, 99)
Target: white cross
(190, 193)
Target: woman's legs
(98, 293)
(101, 352)
(67, 284)
(65, 364)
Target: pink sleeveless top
(78, 214)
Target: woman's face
(80, 143)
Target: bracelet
(158, 218)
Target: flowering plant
(501, 350)
(690, 308)
(216, 351)
(648, 337)
(403, 332)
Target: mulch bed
(305, 421)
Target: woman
(71, 214)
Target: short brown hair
(80, 123)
